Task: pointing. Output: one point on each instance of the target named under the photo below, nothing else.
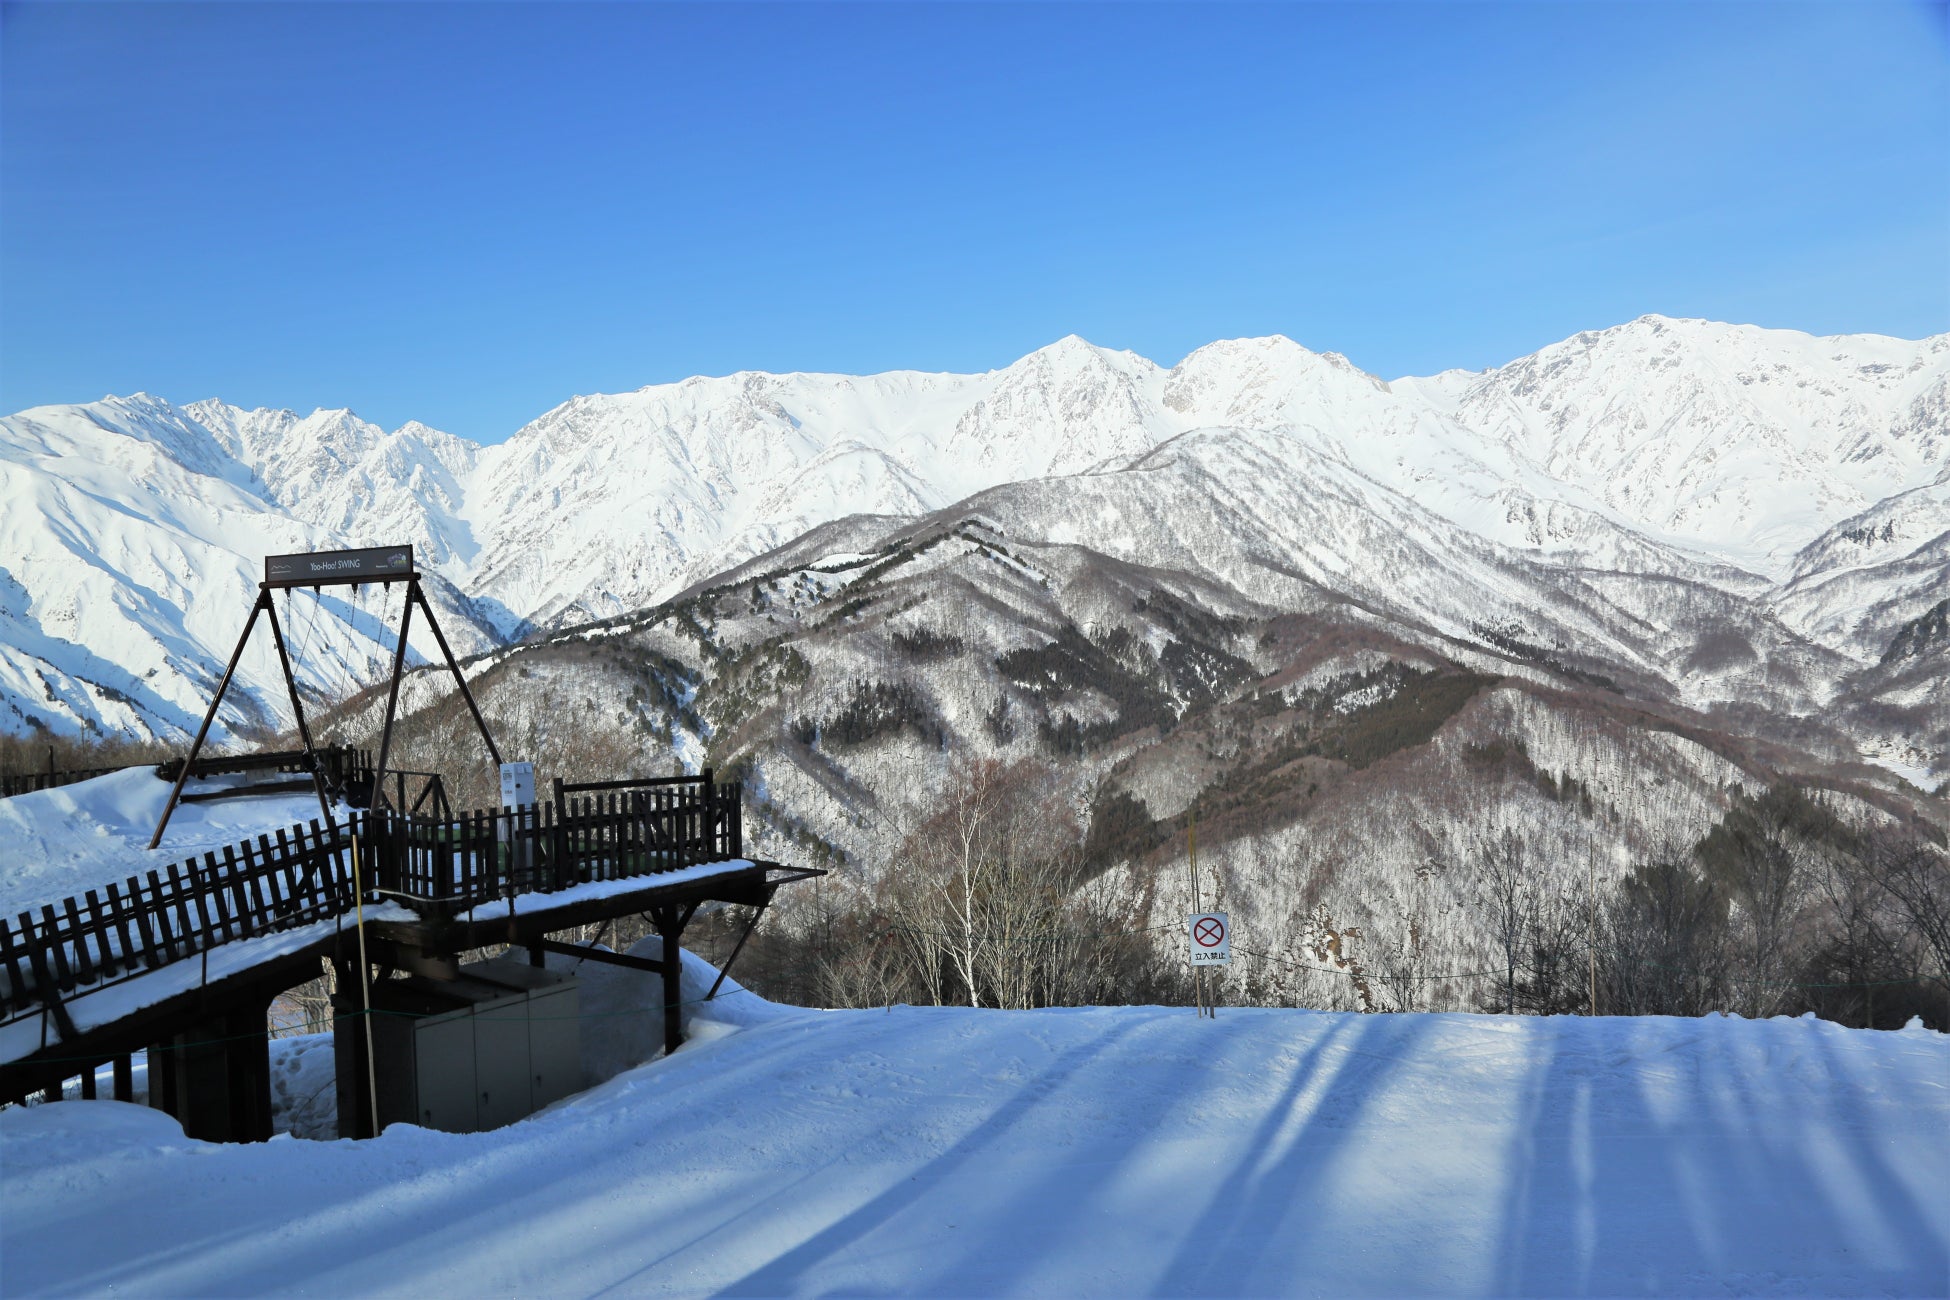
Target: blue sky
(466, 213)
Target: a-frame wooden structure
(316, 569)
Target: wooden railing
(340, 763)
(418, 793)
(439, 866)
(105, 937)
(34, 782)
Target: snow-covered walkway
(1116, 1152)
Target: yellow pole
(365, 987)
(1191, 849)
(1591, 912)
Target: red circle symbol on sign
(1208, 932)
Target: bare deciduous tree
(1507, 892)
(987, 896)
(1916, 875)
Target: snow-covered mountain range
(1606, 498)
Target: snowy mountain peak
(1660, 445)
(1073, 351)
(1742, 440)
(1264, 383)
(1060, 410)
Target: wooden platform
(432, 888)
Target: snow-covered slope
(1713, 456)
(1123, 1151)
(74, 838)
(1855, 585)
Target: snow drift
(1130, 1151)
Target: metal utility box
(517, 785)
(466, 1054)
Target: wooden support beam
(353, 1069)
(670, 922)
(738, 947)
(50, 995)
(162, 1078)
(581, 952)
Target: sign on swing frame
(332, 568)
(1210, 937)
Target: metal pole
(196, 746)
(365, 988)
(413, 589)
(1198, 972)
(1591, 916)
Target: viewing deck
(117, 969)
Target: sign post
(1208, 934)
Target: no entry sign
(1211, 936)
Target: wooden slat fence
(109, 935)
(340, 764)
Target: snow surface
(1099, 1151)
(61, 842)
(495, 909)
